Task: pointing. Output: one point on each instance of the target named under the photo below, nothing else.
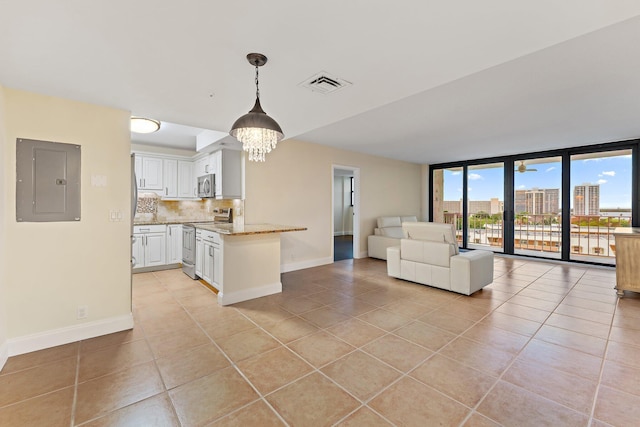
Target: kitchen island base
(249, 267)
(241, 261)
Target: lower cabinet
(149, 246)
(174, 244)
(199, 252)
(211, 258)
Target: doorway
(345, 218)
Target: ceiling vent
(324, 82)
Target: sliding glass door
(485, 205)
(537, 200)
(600, 201)
(447, 198)
(561, 204)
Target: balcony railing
(591, 236)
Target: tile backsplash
(152, 208)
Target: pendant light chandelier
(258, 132)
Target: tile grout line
(75, 387)
(474, 409)
(602, 365)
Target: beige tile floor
(545, 344)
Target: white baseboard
(293, 266)
(226, 298)
(55, 337)
(363, 254)
(4, 354)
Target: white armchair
(429, 255)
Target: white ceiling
(432, 81)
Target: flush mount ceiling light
(258, 132)
(144, 125)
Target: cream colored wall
(54, 267)
(3, 240)
(293, 187)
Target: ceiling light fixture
(144, 125)
(258, 132)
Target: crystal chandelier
(258, 132)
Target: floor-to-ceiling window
(537, 203)
(485, 204)
(447, 198)
(600, 201)
(560, 204)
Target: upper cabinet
(227, 165)
(149, 172)
(187, 182)
(172, 177)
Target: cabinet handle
(166, 190)
(169, 231)
(133, 261)
(145, 229)
(210, 250)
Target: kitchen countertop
(171, 221)
(247, 229)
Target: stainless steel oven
(189, 250)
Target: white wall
(4, 350)
(54, 267)
(293, 187)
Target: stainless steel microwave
(207, 186)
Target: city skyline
(613, 174)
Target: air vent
(324, 82)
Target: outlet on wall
(83, 312)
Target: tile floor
(545, 344)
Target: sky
(613, 173)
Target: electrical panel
(47, 181)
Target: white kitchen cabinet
(170, 178)
(149, 172)
(199, 253)
(207, 264)
(227, 165)
(174, 244)
(200, 167)
(187, 182)
(217, 267)
(137, 251)
(149, 245)
(211, 258)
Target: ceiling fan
(523, 168)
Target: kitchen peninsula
(246, 259)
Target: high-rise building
(586, 199)
(538, 201)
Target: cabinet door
(174, 244)
(199, 256)
(186, 180)
(217, 265)
(229, 176)
(170, 175)
(138, 169)
(152, 173)
(199, 166)
(155, 249)
(137, 251)
(207, 265)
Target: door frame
(356, 207)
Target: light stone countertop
(247, 229)
(171, 221)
